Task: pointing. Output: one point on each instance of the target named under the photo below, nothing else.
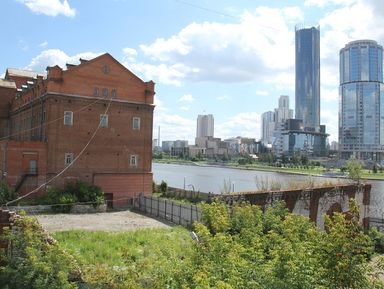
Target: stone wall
(312, 202)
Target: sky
(229, 58)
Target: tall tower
(361, 110)
(307, 90)
(205, 126)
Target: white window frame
(136, 123)
(68, 118)
(103, 120)
(68, 159)
(133, 160)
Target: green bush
(6, 193)
(163, 187)
(34, 260)
(63, 199)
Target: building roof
(7, 83)
(23, 73)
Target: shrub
(34, 260)
(6, 193)
(163, 187)
(63, 199)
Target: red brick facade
(54, 121)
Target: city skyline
(232, 60)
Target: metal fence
(181, 214)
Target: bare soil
(110, 221)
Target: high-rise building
(307, 91)
(283, 112)
(205, 126)
(267, 127)
(361, 110)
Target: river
(218, 179)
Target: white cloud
(257, 48)
(58, 57)
(331, 120)
(130, 54)
(50, 7)
(43, 44)
(186, 98)
(246, 124)
(173, 127)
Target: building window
(68, 159)
(104, 92)
(68, 118)
(133, 160)
(96, 91)
(113, 93)
(103, 120)
(136, 123)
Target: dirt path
(113, 221)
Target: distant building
(240, 145)
(89, 122)
(307, 90)
(267, 127)
(282, 114)
(177, 148)
(361, 111)
(205, 126)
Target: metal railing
(175, 212)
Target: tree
(354, 170)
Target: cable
(67, 167)
(206, 9)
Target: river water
(219, 180)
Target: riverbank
(298, 170)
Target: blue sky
(232, 59)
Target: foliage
(354, 170)
(34, 260)
(63, 199)
(6, 193)
(265, 185)
(150, 258)
(246, 248)
(163, 187)
(241, 246)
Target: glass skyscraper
(361, 109)
(307, 91)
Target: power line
(206, 9)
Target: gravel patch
(110, 221)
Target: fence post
(191, 215)
(180, 215)
(172, 211)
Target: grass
(118, 248)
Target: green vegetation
(34, 260)
(138, 259)
(6, 193)
(237, 247)
(64, 198)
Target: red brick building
(91, 122)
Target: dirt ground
(111, 221)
